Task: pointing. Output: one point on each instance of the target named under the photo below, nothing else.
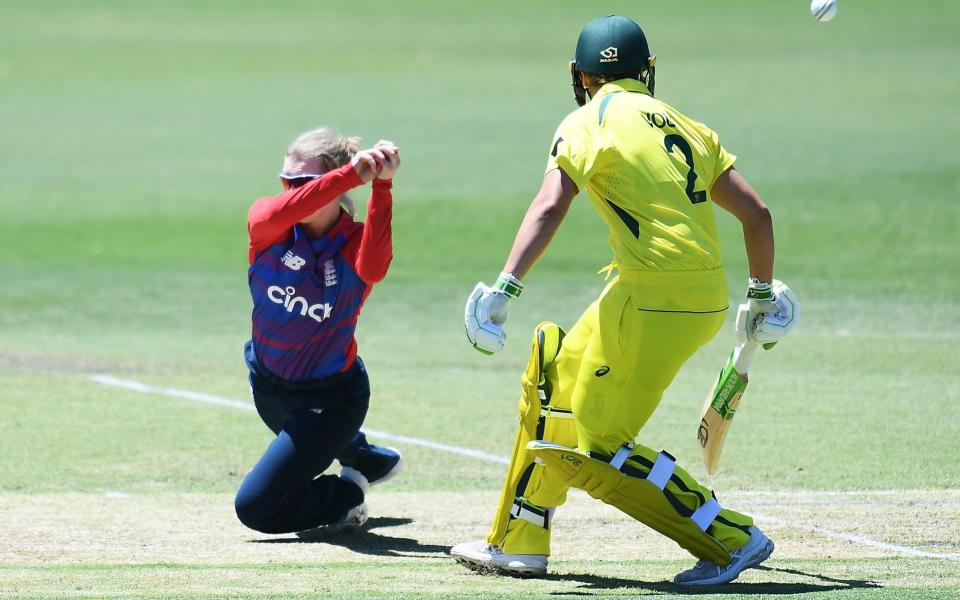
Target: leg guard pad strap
(641, 499)
(662, 469)
(552, 412)
(705, 515)
(621, 456)
(530, 513)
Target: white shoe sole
(352, 524)
(486, 566)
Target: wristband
(508, 284)
(759, 290)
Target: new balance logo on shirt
(293, 261)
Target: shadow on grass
(365, 541)
(824, 584)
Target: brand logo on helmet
(609, 55)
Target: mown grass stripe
(143, 388)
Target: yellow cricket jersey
(648, 171)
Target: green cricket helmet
(611, 45)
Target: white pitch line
(857, 539)
(849, 537)
(220, 401)
(438, 446)
(143, 388)
(828, 493)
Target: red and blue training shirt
(307, 293)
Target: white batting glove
(767, 321)
(487, 309)
(773, 326)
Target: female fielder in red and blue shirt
(311, 269)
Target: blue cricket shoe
(366, 464)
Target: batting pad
(642, 499)
(530, 494)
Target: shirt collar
(622, 85)
(334, 238)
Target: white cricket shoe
(757, 549)
(354, 518)
(482, 557)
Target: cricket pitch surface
(191, 545)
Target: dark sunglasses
(292, 182)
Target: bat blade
(720, 408)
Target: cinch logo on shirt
(293, 261)
(290, 301)
(609, 55)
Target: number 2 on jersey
(677, 140)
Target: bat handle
(743, 355)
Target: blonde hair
(333, 150)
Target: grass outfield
(135, 135)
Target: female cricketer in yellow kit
(653, 175)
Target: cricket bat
(722, 404)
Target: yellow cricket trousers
(612, 370)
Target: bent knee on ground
(256, 512)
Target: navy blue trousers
(315, 423)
